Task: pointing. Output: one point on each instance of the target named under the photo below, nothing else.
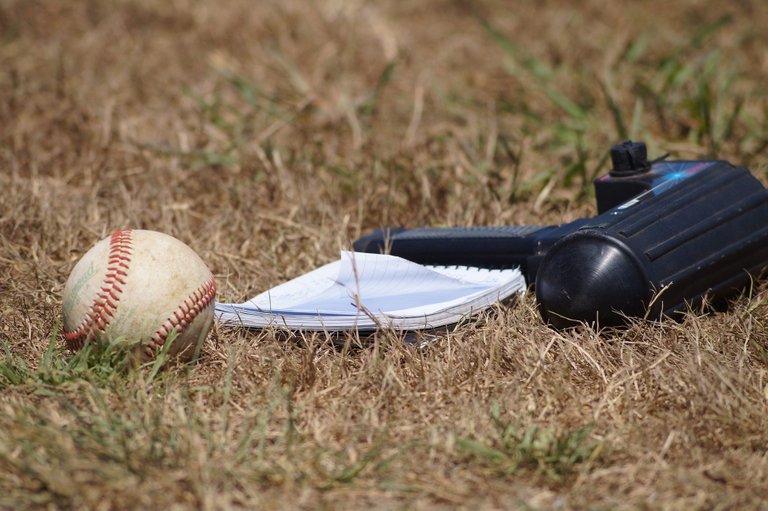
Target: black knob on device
(629, 158)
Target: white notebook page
(386, 287)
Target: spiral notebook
(367, 292)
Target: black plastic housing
(659, 254)
(668, 234)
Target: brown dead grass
(267, 136)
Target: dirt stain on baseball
(74, 296)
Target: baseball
(142, 285)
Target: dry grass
(267, 136)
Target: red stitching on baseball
(102, 309)
(201, 298)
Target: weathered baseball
(141, 285)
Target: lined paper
(364, 291)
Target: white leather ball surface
(139, 284)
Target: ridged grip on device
(707, 237)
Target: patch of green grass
(692, 91)
(236, 113)
(368, 107)
(95, 362)
(124, 436)
(547, 451)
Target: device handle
(490, 247)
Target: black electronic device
(668, 234)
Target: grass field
(268, 136)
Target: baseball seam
(104, 305)
(193, 305)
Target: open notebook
(367, 292)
